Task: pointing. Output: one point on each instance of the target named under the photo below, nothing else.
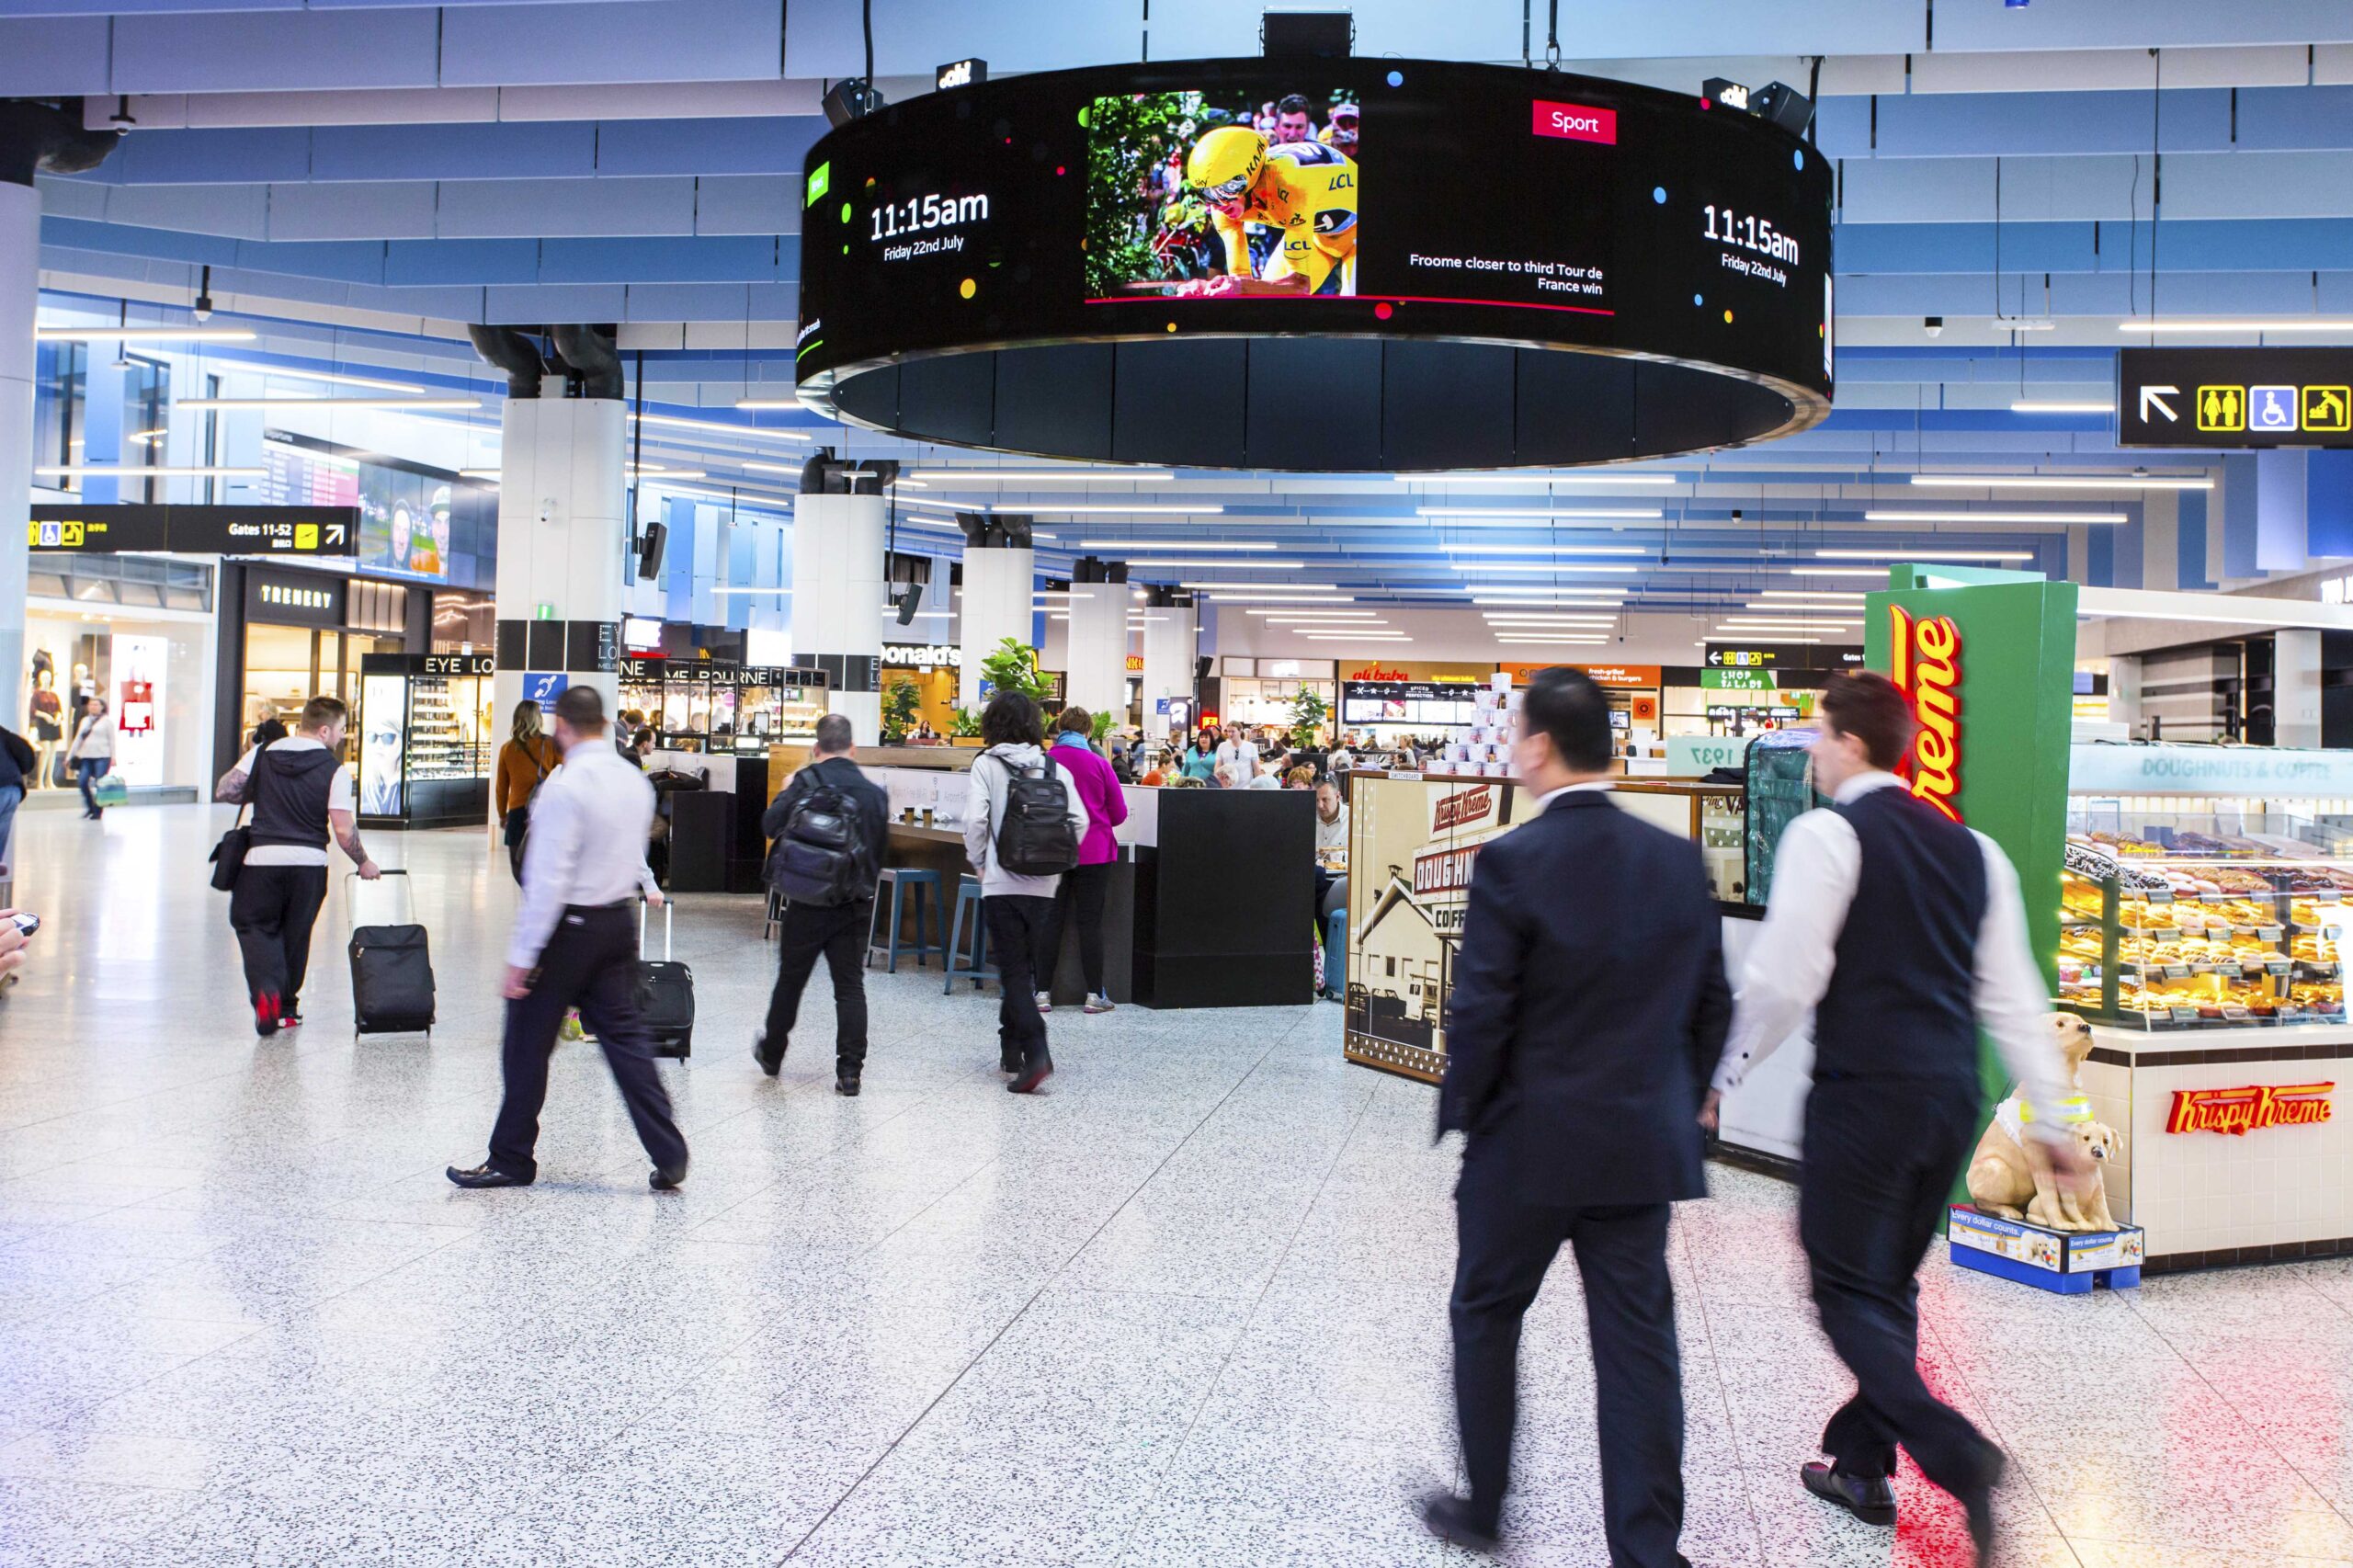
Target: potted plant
(1014, 667)
(1102, 728)
(901, 706)
(964, 727)
(1308, 712)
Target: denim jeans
(87, 770)
(11, 797)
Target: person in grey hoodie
(1013, 907)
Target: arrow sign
(1715, 658)
(2151, 398)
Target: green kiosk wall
(2011, 660)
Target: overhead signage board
(1738, 680)
(197, 531)
(1781, 657)
(2234, 398)
(2093, 769)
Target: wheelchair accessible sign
(2234, 398)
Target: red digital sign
(1577, 122)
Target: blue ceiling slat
(277, 52)
(722, 260)
(2275, 119)
(43, 56)
(1966, 247)
(627, 40)
(428, 263)
(521, 149)
(1947, 125)
(347, 261)
(209, 157)
(770, 146)
(160, 244)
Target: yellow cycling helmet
(1226, 162)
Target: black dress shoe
(846, 1083)
(1450, 1518)
(1034, 1072)
(770, 1060)
(1870, 1498)
(1979, 1506)
(665, 1178)
(487, 1174)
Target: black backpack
(824, 855)
(1036, 838)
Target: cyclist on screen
(1305, 191)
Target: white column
(1168, 653)
(562, 545)
(1097, 670)
(837, 602)
(2295, 688)
(19, 299)
(995, 605)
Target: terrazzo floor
(1186, 1308)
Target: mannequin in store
(48, 711)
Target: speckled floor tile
(1188, 1308)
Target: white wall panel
(822, 37)
(628, 100)
(241, 211)
(617, 40)
(1464, 29)
(747, 204)
(2168, 23)
(2259, 185)
(228, 51)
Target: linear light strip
(722, 427)
(329, 403)
(1925, 554)
(332, 378)
(2055, 482)
(2060, 405)
(1876, 515)
(1645, 514)
(133, 334)
(1603, 481)
(1041, 475)
(2244, 324)
(1151, 545)
(133, 471)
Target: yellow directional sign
(2222, 408)
(2328, 408)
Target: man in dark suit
(1578, 1082)
(839, 931)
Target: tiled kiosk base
(2232, 1150)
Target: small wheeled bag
(392, 974)
(665, 993)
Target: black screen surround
(1470, 265)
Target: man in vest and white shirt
(1904, 932)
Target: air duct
(46, 138)
(512, 352)
(589, 360)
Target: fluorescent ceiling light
(1244, 596)
(1787, 625)
(141, 335)
(2242, 324)
(786, 591)
(757, 405)
(662, 475)
(400, 403)
(1499, 619)
(1553, 641)
(1543, 549)
(1925, 554)
(133, 470)
(1336, 637)
(1565, 590)
(1537, 566)
(1810, 593)
(2060, 405)
(1090, 508)
(1335, 615)
(720, 428)
(1254, 588)
(1604, 480)
(1876, 515)
(1532, 514)
(1177, 563)
(334, 378)
(2025, 324)
(1836, 570)
(2055, 481)
(1107, 474)
(146, 438)
(1149, 544)
(1549, 604)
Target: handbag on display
(229, 856)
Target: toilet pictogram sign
(2234, 399)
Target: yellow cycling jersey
(1308, 195)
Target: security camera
(1933, 325)
(202, 309)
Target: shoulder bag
(229, 855)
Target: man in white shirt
(299, 794)
(575, 946)
(1904, 932)
(1240, 753)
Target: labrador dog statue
(2010, 1177)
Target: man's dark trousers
(1507, 1246)
(589, 963)
(272, 909)
(839, 932)
(1013, 921)
(1881, 1159)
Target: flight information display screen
(1365, 197)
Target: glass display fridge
(428, 740)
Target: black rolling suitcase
(392, 975)
(665, 994)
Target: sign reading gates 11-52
(195, 530)
(2237, 398)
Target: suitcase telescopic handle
(669, 908)
(407, 888)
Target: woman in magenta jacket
(1085, 887)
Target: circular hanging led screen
(1317, 265)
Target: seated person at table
(1331, 819)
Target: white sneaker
(1099, 1003)
(1045, 1002)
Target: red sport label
(1577, 122)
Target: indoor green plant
(1014, 667)
(1308, 712)
(902, 705)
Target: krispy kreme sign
(1926, 658)
(1462, 808)
(2251, 1110)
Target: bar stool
(968, 896)
(907, 884)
